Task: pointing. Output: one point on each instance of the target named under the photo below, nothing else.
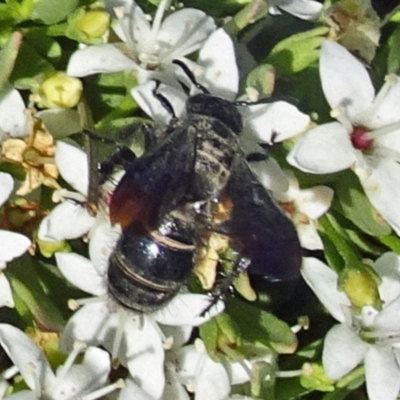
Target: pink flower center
(360, 139)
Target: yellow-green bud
(313, 377)
(361, 287)
(61, 90)
(48, 249)
(93, 24)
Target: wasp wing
(155, 182)
(259, 229)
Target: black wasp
(170, 200)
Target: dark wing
(155, 182)
(259, 229)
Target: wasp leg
(224, 284)
(164, 101)
(121, 157)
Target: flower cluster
(313, 112)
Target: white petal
(100, 330)
(13, 118)
(6, 186)
(144, 96)
(6, 299)
(217, 56)
(66, 221)
(187, 27)
(343, 351)
(26, 356)
(179, 334)
(212, 381)
(81, 273)
(308, 236)
(384, 111)
(324, 282)
(388, 320)
(145, 356)
(387, 144)
(12, 245)
(382, 373)
(239, 372)
(315, 202)
(345, 80)
(274, 122)
(173, 387)
(187, 309)
(323, 150)
(134, 24)
(84, 378)
(73, 166)
(60, 122)
(382, 186)
(103, 239)
(187, 360)
(101, 58)
(132, 390)
(270, 175)
(303, 9)
(388, 268)
(23, 395)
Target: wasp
(170, 200)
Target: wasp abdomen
(145, 272)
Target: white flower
(69, 382)
(216, 69)
(70, 219)
(134, 339)
(367, 136)
(304, 206)
(12, 244)
(371, 337)
(192, 367)
(303, 9)
(13, 117)
(146, 48)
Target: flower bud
(88, 26)
(60, 90)
(93, 24)
(361, 287)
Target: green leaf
(20, 10)
(337, 235)
(259, 326)
(290, 389)
(53, 11)
(8, 56)
(354, 205)
(29, 67)
(262, 78)
(391, 241)
(297, 52)
(262, 381)
(222, 336)
(394, 55)
(43, 44)
(25, 282)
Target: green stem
(248, 15)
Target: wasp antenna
(163, 100)
(257, 156)
(95, 136)
(190, 75)
(265, 100)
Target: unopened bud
(61, 90)
(361, 287)
(93, 24)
